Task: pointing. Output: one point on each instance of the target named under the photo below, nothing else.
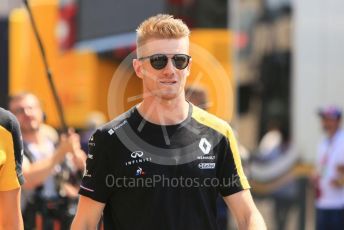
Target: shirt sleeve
(97, 180)
(18, 149)
(230, 173)
(11, 151)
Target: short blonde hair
(161, 26)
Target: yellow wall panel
(212, 70)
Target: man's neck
(164, 112)
(32, 136)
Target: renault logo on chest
(204, 145)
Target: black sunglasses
(159, 61)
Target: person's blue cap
(330, 112)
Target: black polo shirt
(162, 177)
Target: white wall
(318, 77)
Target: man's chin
(29, 129)
(169, 95)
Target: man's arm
(10, 214)
(37, 172)
(88, 214)
(245, 211)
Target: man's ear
(138, 68)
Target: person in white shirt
(49, 167)
(330, 172)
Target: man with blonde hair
(161, 164)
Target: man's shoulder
(341, 137)
(210, 120)
(109, 128)
(341, 133)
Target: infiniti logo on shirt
(136, 154)
(137, 158)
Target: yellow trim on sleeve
(224, 128)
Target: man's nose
(169, 68)
(28, 111)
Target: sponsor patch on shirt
(206, 165)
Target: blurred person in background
(197, 96)
(163, 63)
(94, 120)
(11, 176)
(274, 160)
(51, 181)
(329, 179)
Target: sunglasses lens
(181, 61)
(158, 61)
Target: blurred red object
(67, 26)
